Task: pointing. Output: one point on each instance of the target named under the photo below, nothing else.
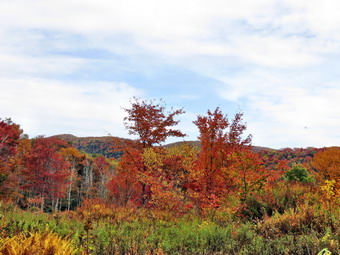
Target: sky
(71, 66)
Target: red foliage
(9, 143)
(219, 139)
(148, 121)
(101, 166)
(125, 186)
(247, 172)
(9, 140)
(285, 158)
(152, 125)
(46, 171)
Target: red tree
(46, 171)
(247, 172)
(9, 141)
(219, 138)
(125, 186)
(9, 138)
(152, 126)
(150, 123)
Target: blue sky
(70, 66)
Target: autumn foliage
(9, 143)
(200, 193)
(51, 173)
(150, 123)
(327, 163)
(220, 139)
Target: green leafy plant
(324, 252)
(298, 173)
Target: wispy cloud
(50, 107)
(277, 59)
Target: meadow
(305, 226)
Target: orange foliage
(219, 139)
(327, 163)
(149, 122)
(247, 172)
(125, 186)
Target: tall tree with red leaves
(9, 141)
(148, 120)
(152, 126)
(46, 171)
(219, 138)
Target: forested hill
(197, 143)
(105, 146)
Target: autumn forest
(220, 195)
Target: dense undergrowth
(298, 224)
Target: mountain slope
(103, 145)
(106, 146)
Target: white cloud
(285, 111)
(81, 109)
(276, 56)
(264, 32)
(158, 25)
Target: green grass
(186, 235)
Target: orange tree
(327, 163)
(152, 125)
(219, 138)
(173, 173)
(248, 172)
(75, 159)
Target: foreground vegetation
(220, 197)
(304, 226)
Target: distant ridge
(104, 145)
(197, 143)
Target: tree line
(50, 174)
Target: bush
(252, 209)
(298, 173)
(37, 244)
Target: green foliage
(324, 252)
(252, 209)
(305, 231)
(298, 173)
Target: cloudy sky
(69, 66)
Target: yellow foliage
(98, 211)
(329, 189)
(47, 243)
(152, 158)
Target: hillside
(95, 145)
(104, 144)
(197, 143)
(107, 146)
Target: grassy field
(101, 229)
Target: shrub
(37, 244)
(298, 173)
(284, 196)
(252, 209)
